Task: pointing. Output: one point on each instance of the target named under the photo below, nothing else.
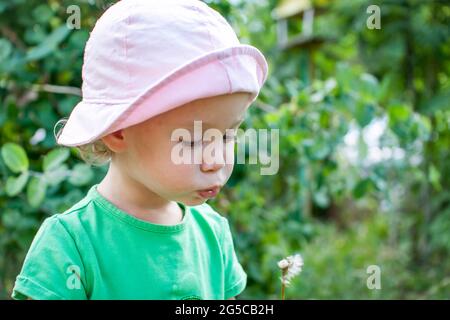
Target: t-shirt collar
(112, 209)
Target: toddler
(152, 71)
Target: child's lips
(209, 193)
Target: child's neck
(137, 200)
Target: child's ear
(115, 141)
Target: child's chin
(194, 201)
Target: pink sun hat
(146, 57)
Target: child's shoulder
(209, 215)
(71, 216)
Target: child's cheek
(229, 170)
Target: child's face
(144, 151)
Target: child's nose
(212, 162)
(205, 167)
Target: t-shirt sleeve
(53, 267)
(235, 276)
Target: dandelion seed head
(291, 267)
(283, 264)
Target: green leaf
(434, 177)
(364, 114)
(42, 13)
(321, 198)
(423, 127)
(57, 175)
(14, 185)
(3, 6)
(15, 157)
(362, 187)
(5, 49)
(385, 87)
(55, 158)
(36, 191)
(81, 174)
(9, 217)
(316, 149)
(399, 113)
(272, 118)
(49, 44)
(368, 85)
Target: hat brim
(241, 68)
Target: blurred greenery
(364, 145)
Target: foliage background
(364, 145)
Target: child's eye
(192, 144)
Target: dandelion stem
(283, 285)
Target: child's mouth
(209, 193)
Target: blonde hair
(94, 153)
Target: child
(145, 232)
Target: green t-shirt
(94, 250)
